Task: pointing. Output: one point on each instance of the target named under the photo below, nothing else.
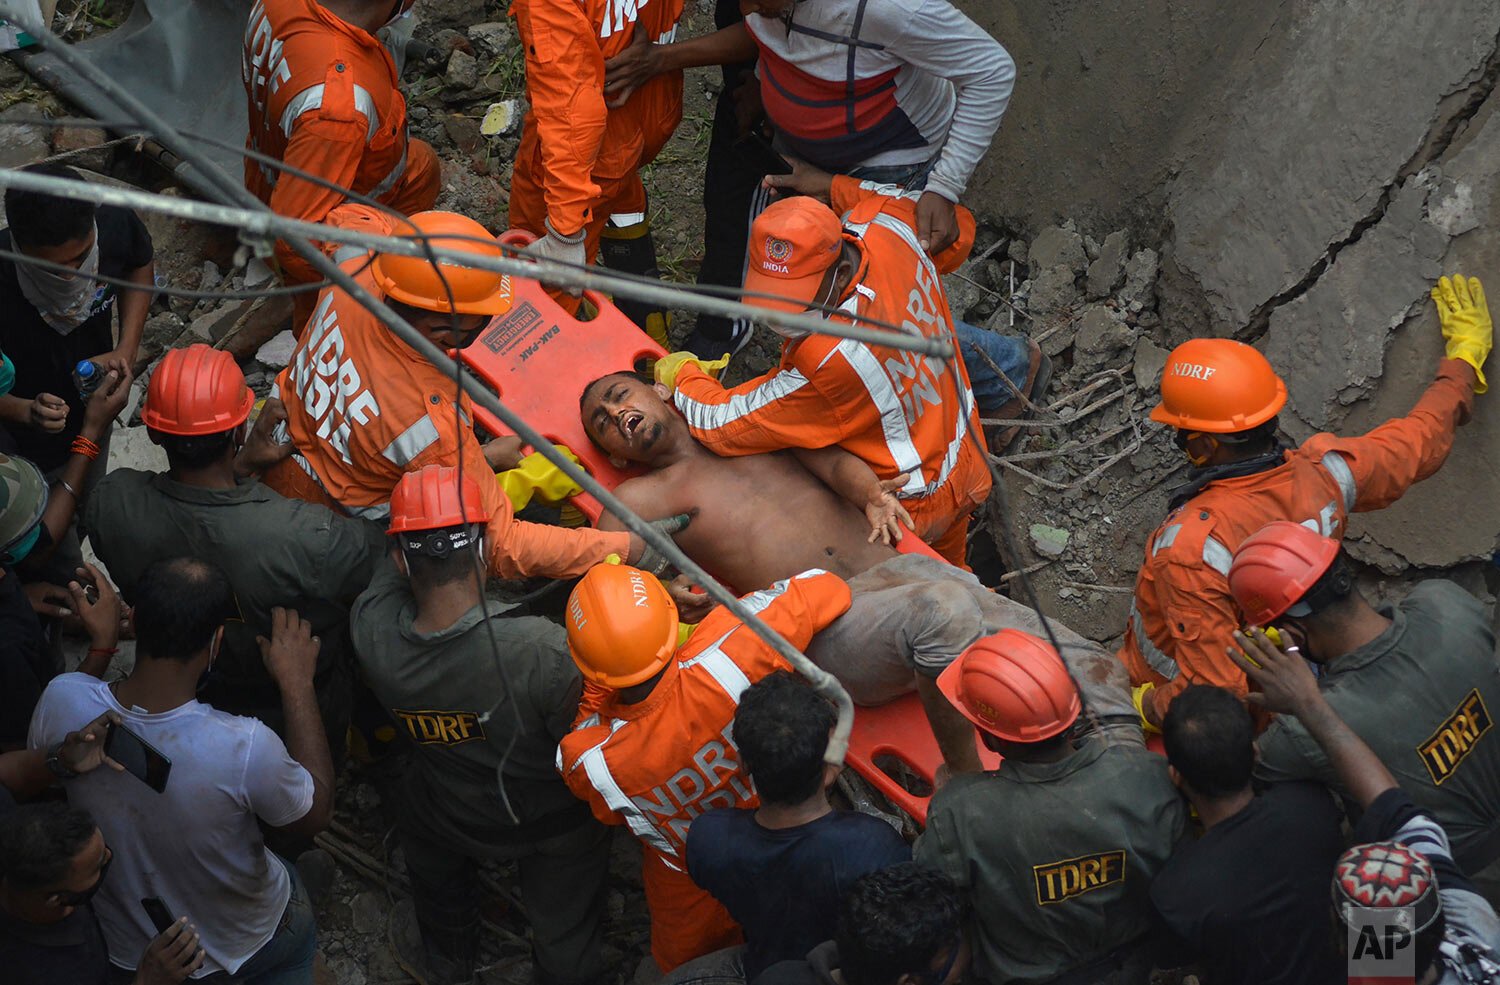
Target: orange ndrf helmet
(622, 625)
(1275, 567)
(1013, 686)
(195, 391)
(415, 280)
(434, 499)
(1218, 386)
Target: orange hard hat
(415, 280)
(1275, 567)
(622, 625)
(1014, 686)
(1218, 386)
(197, 390)
(434, 497)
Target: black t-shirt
(44, 359)
(1249, 900)
(734, 859)
(71, 950)
(24, 669)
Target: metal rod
(255, 222)
(822, 682)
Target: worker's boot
(432, 955)
(628, 248)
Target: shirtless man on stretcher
(761, 518)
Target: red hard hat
(197, 390)
(1218, 386)
(622, 625)
(1014, 686)
(1274, 568)
(433, 498)
(417, 281)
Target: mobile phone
(760, 155)
(161, 917)
(138, 756)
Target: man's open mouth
(630, 422)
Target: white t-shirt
(196, 845)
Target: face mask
(17, 553)
(7, 374)
(64, 301)
(208, 676)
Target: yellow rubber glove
(1138, 695)
(1466, 322)
(668, 366)
(535, 476)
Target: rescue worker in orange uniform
(903, 413)
(323, 98)
(363, 408)
(1222, 397)
(657, 751)
(576, 182)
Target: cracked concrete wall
(1311, 169)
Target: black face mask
(209, 675)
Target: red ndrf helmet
(197, 390)
(433, 498)
(1014, 686)
(1275, 567)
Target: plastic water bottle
(87, 376)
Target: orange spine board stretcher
(538, 358)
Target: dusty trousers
(916, 614)
(561, 881)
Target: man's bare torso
(760, 518)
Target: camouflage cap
(23, 498)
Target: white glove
(566, 249)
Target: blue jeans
(287, 958)
(1009, 352)
(908, 176)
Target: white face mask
(64, 301)
(826, 302)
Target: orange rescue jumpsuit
(658, 764)
(579, 161)
(1183, 613)
(323, 97)
(363, 409)
(896, 410)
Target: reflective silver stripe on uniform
(708, 416)
(624, 220)
(597, 768)
(380, 511)
(344, 254)
(898, 442)
(588, 722)
(1165, 539)
(311, 98)
(412, 442)
(1338, 467)
(723, 670)
(1156, 659)
(389, 181)
(1217, 556)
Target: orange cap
(416, 281)
(1013, 686)
(792, 245)
(197, 390)
(622, 625)
(1218, 386)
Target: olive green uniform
(1057, 859)
(1423, 695)
(486, 702)
(276, 552)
